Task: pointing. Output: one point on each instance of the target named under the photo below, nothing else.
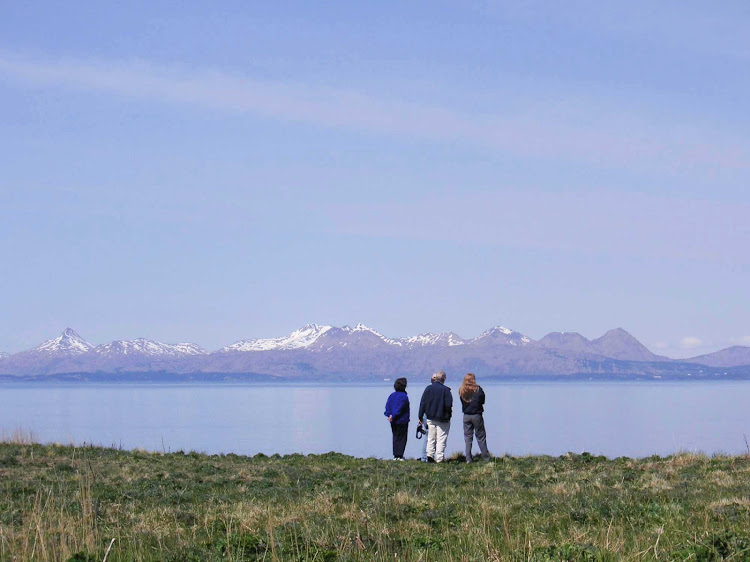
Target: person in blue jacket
(397, 412)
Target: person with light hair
(425, 430)
(472, 404)
(436, 409)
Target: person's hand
(390, 418)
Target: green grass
(68, 503)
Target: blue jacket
(437, 403)
(398, 407)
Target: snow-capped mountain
(304, 337)
(354, 353)
(501, 335)
(143, 346)
(362, 330)
(315, 337)
(67, 343)
(423, 340)
(3, 355)
(70, 343)
(70, 353)
(360, 337)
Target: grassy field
(69, 503)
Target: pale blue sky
(209, 172)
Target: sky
(210, 172)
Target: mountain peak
(566, 341)
(501, 329)
(359, 328)
(303, 337)
(617, 332)
(729, 357)
(619, 344)
(143, 346)
(563, 336)
(67, 343)
(503, 335)
(449, 339)
(310, 330)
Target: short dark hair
(399, 385)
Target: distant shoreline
(252, 378)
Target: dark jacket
(475, 405)
(397, 406)
(436, 403)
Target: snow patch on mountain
(143, 346)
(304, 337)
(504, 335)
(348, 336)
(361, 328)
(448, 339)
(3, 355)
(68, 343)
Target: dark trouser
(400, 431)
(474, 423)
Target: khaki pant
(437, 435)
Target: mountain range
(361, 353)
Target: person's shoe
(469, 460)
(430, 459)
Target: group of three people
(435, 412)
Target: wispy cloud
(693, 346)
(579, 129)
(691, 342)
(741, 340)
(693, 27)
(593, 222)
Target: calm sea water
(612, 418)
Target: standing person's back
(397, 412)
(437, 407)
(472, 404)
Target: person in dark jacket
(436, 408)
(397, 412)
(472, 404)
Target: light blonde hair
(468, 387)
